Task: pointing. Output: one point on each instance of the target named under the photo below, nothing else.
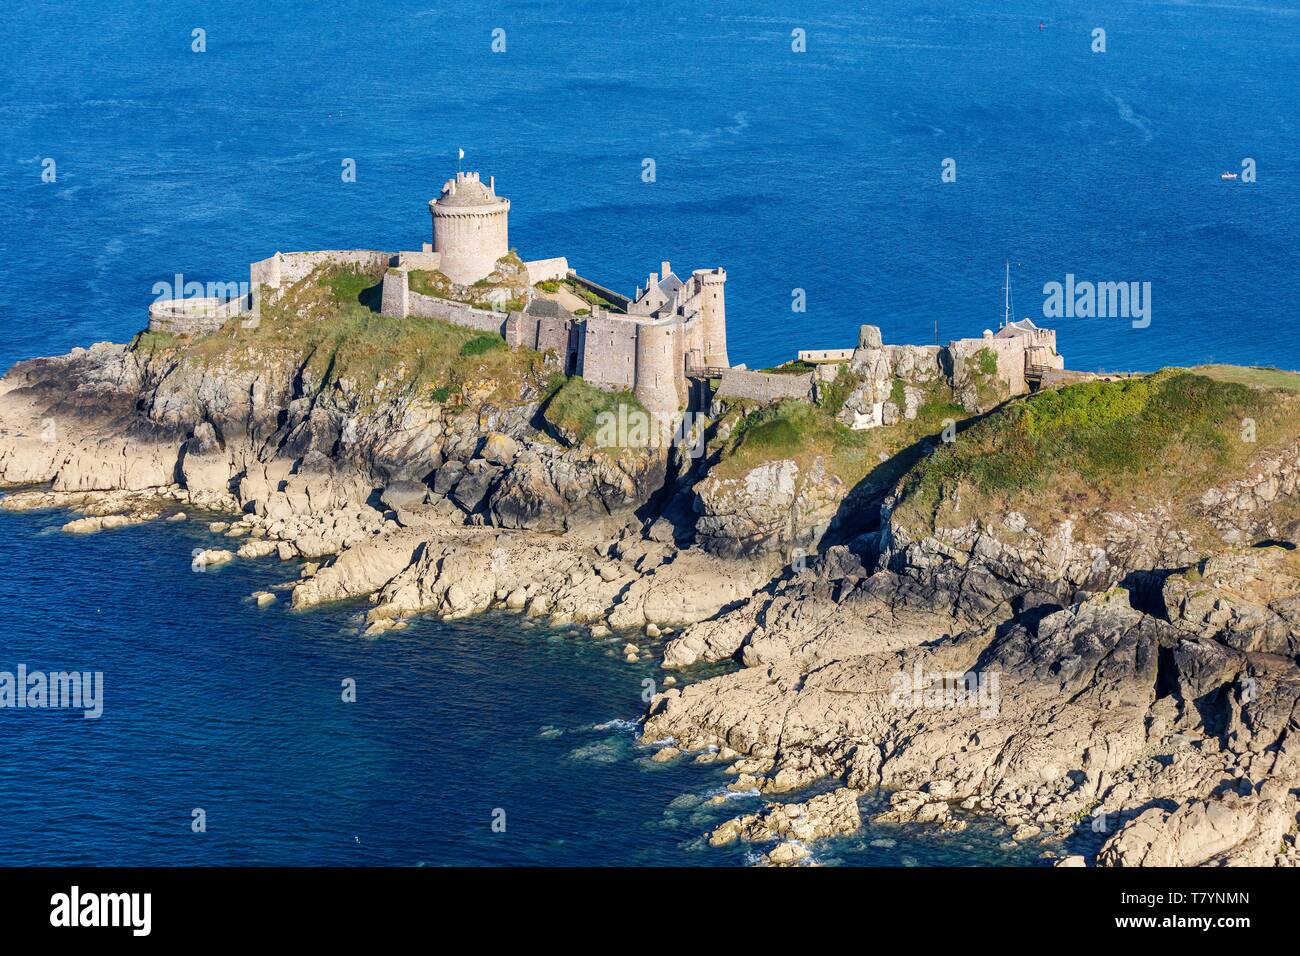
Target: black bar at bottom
(210, 905)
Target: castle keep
(469, 228)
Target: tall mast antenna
(1006, 297)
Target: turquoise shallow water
(817, 171)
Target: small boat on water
(1227, 175)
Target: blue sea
(817, 171)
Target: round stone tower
(713, 312)
(469, 228)
(660, 376)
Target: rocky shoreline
(1104, 677)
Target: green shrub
(795, 367)
(833, 394)
(898, 393)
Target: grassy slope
(574, 405)
(803, 432)
(1096, 446)
(1252, 375)
(322, 322)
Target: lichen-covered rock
(773, 508)
(1246, 599)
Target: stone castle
(665, 343)
(652, 344)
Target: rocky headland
(1077, 611)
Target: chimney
(492, 183)
(665, 268)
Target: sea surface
(817, 171)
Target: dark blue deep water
(818, 171)
(211, 703)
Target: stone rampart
(764, 386)
(825, 355)
(457, 313)
(547, 270)
(197, 316)
(286, 268)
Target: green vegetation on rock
(574, 406)
(426, 282)
(796, 430)
(321, 326)
(349, 283)
(1095, 446)
(794, 367)
(832, 395)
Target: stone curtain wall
(287, 268)
(457, 313)
(400, 302)
(609, 352)
(825, 355)
(547, 270)
(561, 336)
(764, 386)
(618, 300)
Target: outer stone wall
(198, 316)
(286, 268)
(764, 386)
(457, 313)
(609, 352)
(547, 270)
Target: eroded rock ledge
(1135, 738)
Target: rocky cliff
(1079, 617)
(1077, 612)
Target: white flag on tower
(462, 154)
